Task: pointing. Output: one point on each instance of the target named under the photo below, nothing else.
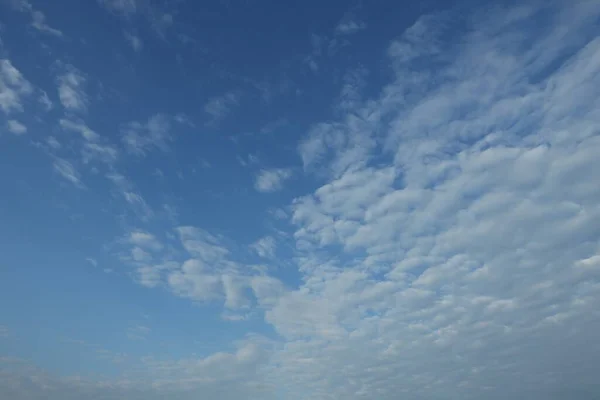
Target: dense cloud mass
(449, 250)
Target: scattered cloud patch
(271, 180)
(184, 119)
(139, 204)
(45, 101)
(66, 170)
(16, 127)
(92, 261)
(78, 126)
(351, 93)
(144, 240)
(219, 107)
(349, 26)
(98, 152)
(160, 21)
(134, 41)
(39, 23)
(265, 247)
(71, 89)
(53, 143)
(38, 18)
(124, 7)
(138, 332)
(140, 138)
(13, 88)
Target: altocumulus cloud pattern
(299, 200)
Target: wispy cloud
(145, 240)
(126, 190)
(53, 143)
(38, 17)
(80, 127)
(134, 41)
(265, 247)
(13, 87)
(219, 107)
(271, 180)
(16, 127)
(140, 138)
(154, 13)
(92, 261)
(65, 169)
(91, 149)
(124, 7)
(138, 332)
(139, 204)
(71, 89)
(160, 21)
(45, 101)
(350, 94)
(349, 26)
(39, 23)
(99, 152)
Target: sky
(284, 200)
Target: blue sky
(299, 200)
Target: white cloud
(80, 127)
(349, 26)
(149, 276)
(139, 204)
(45, 100)
(184, 119)
(39, 23)
(13, 87)
(349, 143)
(240, 373)
(469, 246)
(65, 169)
(271, 180)
(144, 240)
(71, 89)
(132, 197)
(141, 138)
(233, 288)
(124, 7)
(452, 251)
(16, 127)
(134, 41)
(103, 153)
(20, 5)
(38, 18)
(208, 274)
(196, 280)
(202, 244)
(219, 107)
(350, 95)
(312, 64)
(159, 21)
(265, 247)
(53, 143)
(138, 332)
(92, 261)
(91, 150)
(139, 255)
